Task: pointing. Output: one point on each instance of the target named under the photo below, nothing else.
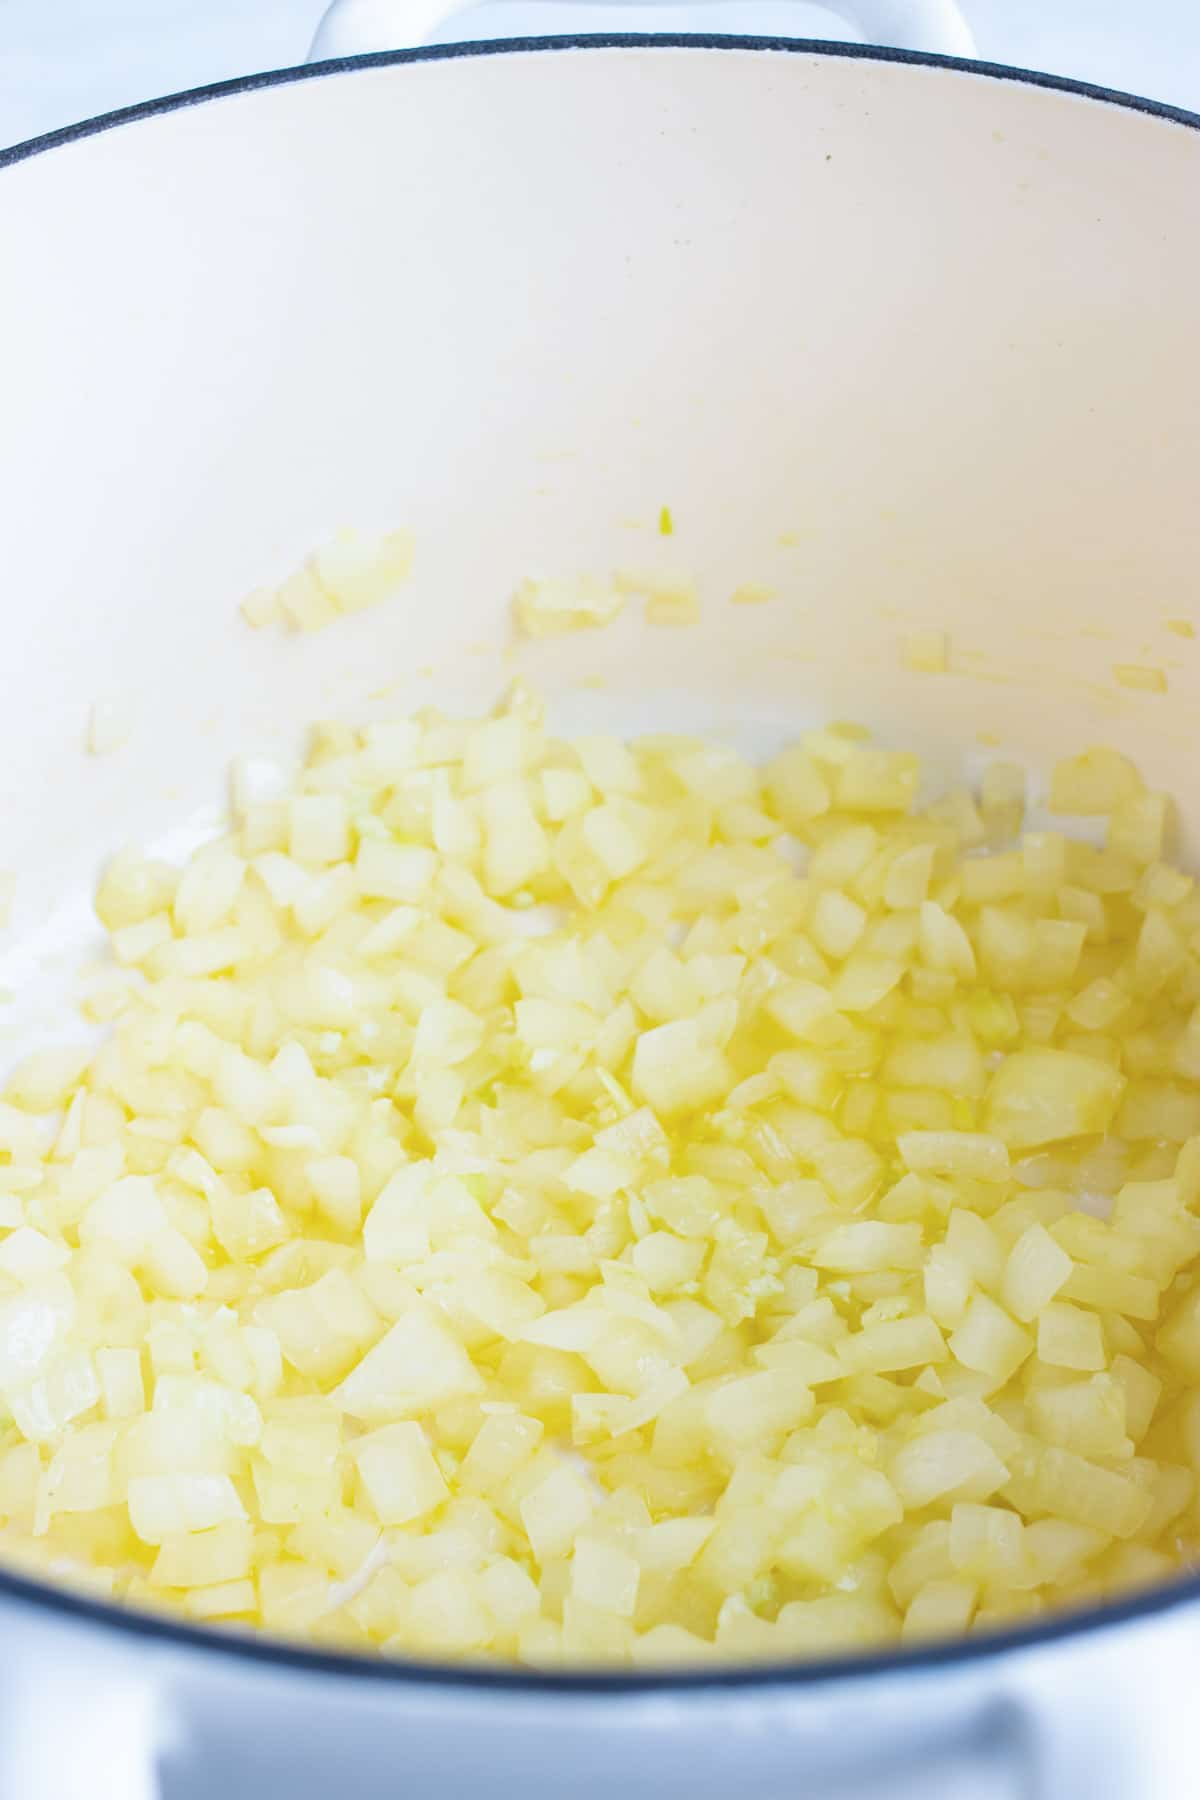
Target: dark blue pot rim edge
(432, 53)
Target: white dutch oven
(912, 342)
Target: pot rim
(228, 1644)
(427, 53)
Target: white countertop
(62, 60)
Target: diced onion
(604, 1202)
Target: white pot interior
(913, 347)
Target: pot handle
(355, 27)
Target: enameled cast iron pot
(908, 339)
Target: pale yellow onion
(607, 1202)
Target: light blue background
(62, 60)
